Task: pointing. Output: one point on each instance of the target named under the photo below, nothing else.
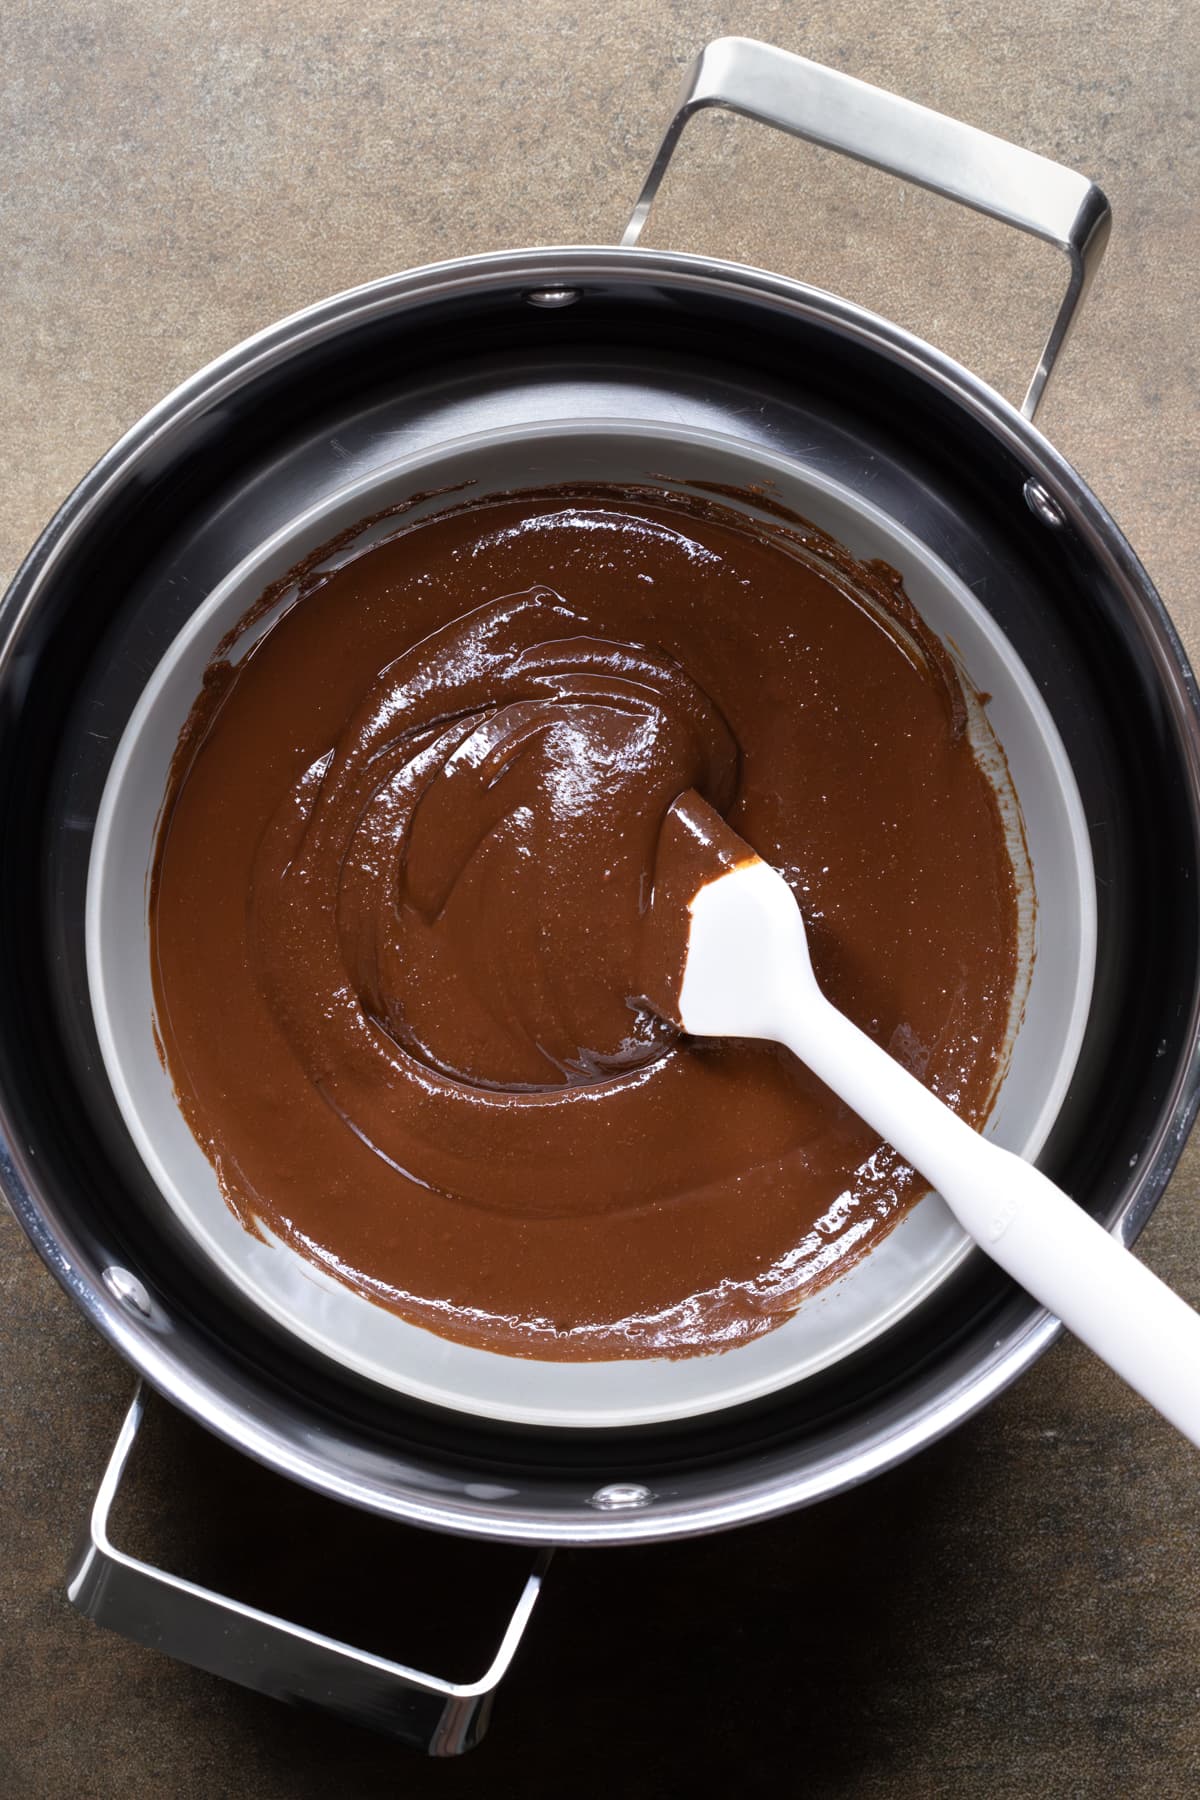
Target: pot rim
(141, 1340)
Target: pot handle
(273, 1655)
(963, 163)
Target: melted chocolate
(400, 904)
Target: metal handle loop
(963, 163)
(273, 1655)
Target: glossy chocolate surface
(400, 900)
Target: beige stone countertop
(1014, 1613)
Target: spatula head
(718, 915)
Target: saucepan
(604, 362)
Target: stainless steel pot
(583, 333)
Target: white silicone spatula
(747, 973)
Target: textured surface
(1025, 1622)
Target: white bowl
(1037, 791)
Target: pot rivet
(1043, 505)
(552, 297)
(620, 1496)
(128, 1290)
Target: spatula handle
(1031, 1228)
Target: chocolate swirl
(513, 760)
